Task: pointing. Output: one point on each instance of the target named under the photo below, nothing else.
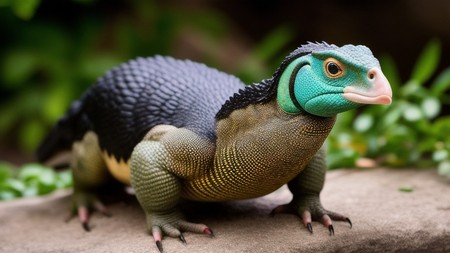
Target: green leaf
(346, 158)
(31, 171)
(363, 122)
(31, 134)
(95, 65)
(431, 107)
(406, 189)
(56, 102)
(427, 62)
(441, 84)
(39, 179)
(412, 113)
(47, 177)
(273, 43)
(15, 185)
(31, 191)
(5, 172)
(390, 70)
(25, 9)
(440, 155)
(18, 66)
(64, 179)
(408, 89)
(393, 115)
(8, 195)
(441, 127)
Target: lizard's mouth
(379, 92)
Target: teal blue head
(325, 80)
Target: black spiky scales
(134, 97)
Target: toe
(192, 227)
(209, 232)
(306, 217)
(171, 230)
(326, 220)
(157, 236)
(83, 216)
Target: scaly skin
(247, 163)
(244, 163)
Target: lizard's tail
(72, 126)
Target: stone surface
(385, 219)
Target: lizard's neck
(259, 148)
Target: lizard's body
(248, 164)
(178, 129)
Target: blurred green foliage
(30, 180)
(409, 132)
(22, 8)
(44, 65)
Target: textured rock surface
(385, 220)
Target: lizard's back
(134, 97)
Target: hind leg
(90, 177)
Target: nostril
(371, 75)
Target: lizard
(177, 129)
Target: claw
(350, 222)
(331, 229)
(157, 236)
(86, 227)
(159, 246)
(209, 232)
(182, 239)
(309, 226)
(83, 215)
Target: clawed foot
(173, 225)
(311, 210)
(83, 205)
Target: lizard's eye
(333, 68)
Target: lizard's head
(325, 80)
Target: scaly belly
(240, 182)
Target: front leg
(156, 178)
(306, 188)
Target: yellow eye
(333, 68)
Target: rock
(391, 211)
